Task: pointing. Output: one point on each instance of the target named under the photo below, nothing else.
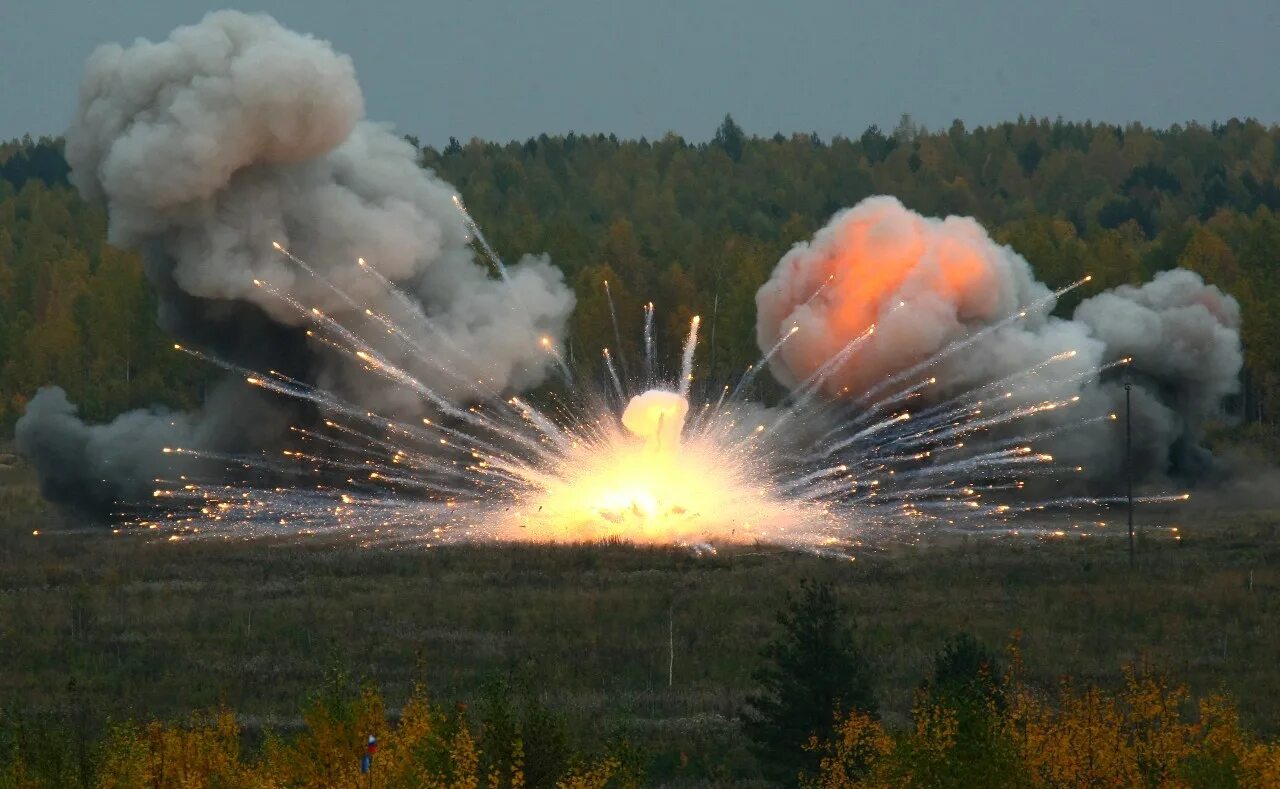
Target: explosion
(923, 283)
(377, 349)
(814, 472)
(929, 284)
(654, 486)
(657, 416)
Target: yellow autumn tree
(1146, 733)
(205, 751)
(426, 747)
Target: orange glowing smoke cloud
(922, 282)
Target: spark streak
(582, 465)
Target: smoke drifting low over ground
(208, 147)
(927, 284)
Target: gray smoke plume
(206, 148)
(1183, 337)
(928, 284)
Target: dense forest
(696, 228)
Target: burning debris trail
(928, 284)
(637, 468)
(389, 377)
(207, 147)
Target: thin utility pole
(1128, 462)
(671, 645)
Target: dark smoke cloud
(1183, 337)
(84, 465)
(929, 283)
(230, 135)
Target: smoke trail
(927, 285)
(686, 358)
(230, 135)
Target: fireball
(646, 482)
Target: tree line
(696, 228)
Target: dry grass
(156, 629)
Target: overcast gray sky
(503, 70)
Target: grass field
(118, 626)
